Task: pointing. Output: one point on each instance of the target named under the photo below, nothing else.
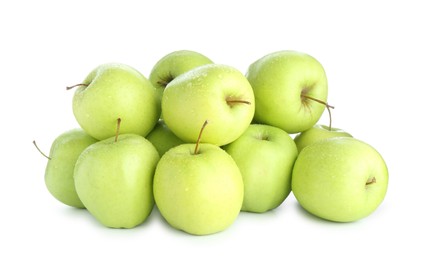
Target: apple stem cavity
(165, 81)
(325, 104)
(43, 154)
(76, 85)
(371, 181)
(118, 127)
(196, 148)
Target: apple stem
(232, 101)
(162, 83)
(371, 181)
(238, 101)
(118, 126)
(76, 85)
(196, 149)
(330, 118)
(43, 154)
(325, 104)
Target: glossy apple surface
(113, 91)
(199, 193)
(317, 133)
(59, 172)
(163, 138)
(284, 84)
(114, 180)
(265, 156)
(340, 179)
(213, 92)
(174, 64)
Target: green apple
(59, 172)
(198, 192)
(290, 90)
(174, 64)
(215, 92)
(113, 178)
(265, 156)
(340, 179)
(162, 138)
(112, 91)
(317, 133)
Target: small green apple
(112, 91)
(214, 92)
(113, 178)
(59, 172)
(340, 179)
(265, 156)
(162, 138)
(174, 64)
(198, 190)
(317, 133)
(290, 90)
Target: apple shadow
(260, 215)
(74, 212)
(83, 213)
(306, 214)
(207, 237)
(157, 217)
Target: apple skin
(200, 193)
(163, 138)
(316, 134)
(113, 90)
(174, 64)
(279, 80)
(59, 171)
(265, 156)
(340, 179)
(204, 93)
(114, 180)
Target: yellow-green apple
(290, 90)
(174, 64)
(59, 172)
(198, 189)
(340, 179)
(112, 91)
(265, 156)
(317, 133)
(113, 178)
(214, 92)
(162, 138)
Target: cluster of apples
(203, 142)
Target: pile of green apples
(202, 142)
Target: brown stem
(371, 181)
(330, 118)
(162, 83)
(325, 104)
(118, 127)
(196, 149)
(232, 101)
(48, 157)
(76, 85)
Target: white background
(378, 56)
